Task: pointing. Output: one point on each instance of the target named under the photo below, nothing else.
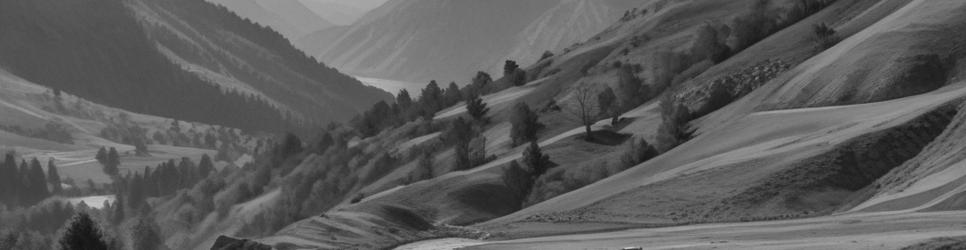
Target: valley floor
(888, 230)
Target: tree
(144, 235)
(53, 177)
(424, 168)
(825, 35)
(585, 109)
(524, 124)
(38, 182)
(477, 108)
(82, 234)
(9, 180)
(629, 88)
(674, 119)
(403, 99)
(291, 145)
(638, 151)
(452, 95)
(460, 134)
(513, 73)
(101, 156)
(537, 162)
(141, 148)
(111, 162)
(607, 102)
(205, 166)
(431, 100)
(517, 179)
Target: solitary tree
(607, 102)
(537, 162)
(585, 109)
(524, 124)
(82, 234)
(460, 134)
(477, 108)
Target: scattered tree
(607, 102)
(53, 177)
(584, 109)
(82, 234)
(525, 124)
(477, 108)
(537, 162)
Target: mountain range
(450, 40)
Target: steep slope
(235, 54)
(293, 19)
(866, 130)
(449, 40)
(782, 169)
(34, 122)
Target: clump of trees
(514, 74)
(520, 178)
(27, 185)
(524, 124)
(110, 160)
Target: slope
(450, 40)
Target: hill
(837, 120)
(293, 19)
(189, 54)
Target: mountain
(744, 124)
(291, 18)
(169, 58)
(338, 13)
(450, 40)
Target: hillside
(185, 60)
(451, 40)
(765, 132)
(293, 19)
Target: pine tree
(477, 108)
(607, 102)
(453, 95)
(101, 156)
(537, 162)
(53, 177)
(112, 162)
(517, 179)
(9, 180)
(82, 234)
(145, 235)
(403, 99)
(205, 166)
(38, 182)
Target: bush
(825, 36)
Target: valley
(545, 124)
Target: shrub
(825, 36)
